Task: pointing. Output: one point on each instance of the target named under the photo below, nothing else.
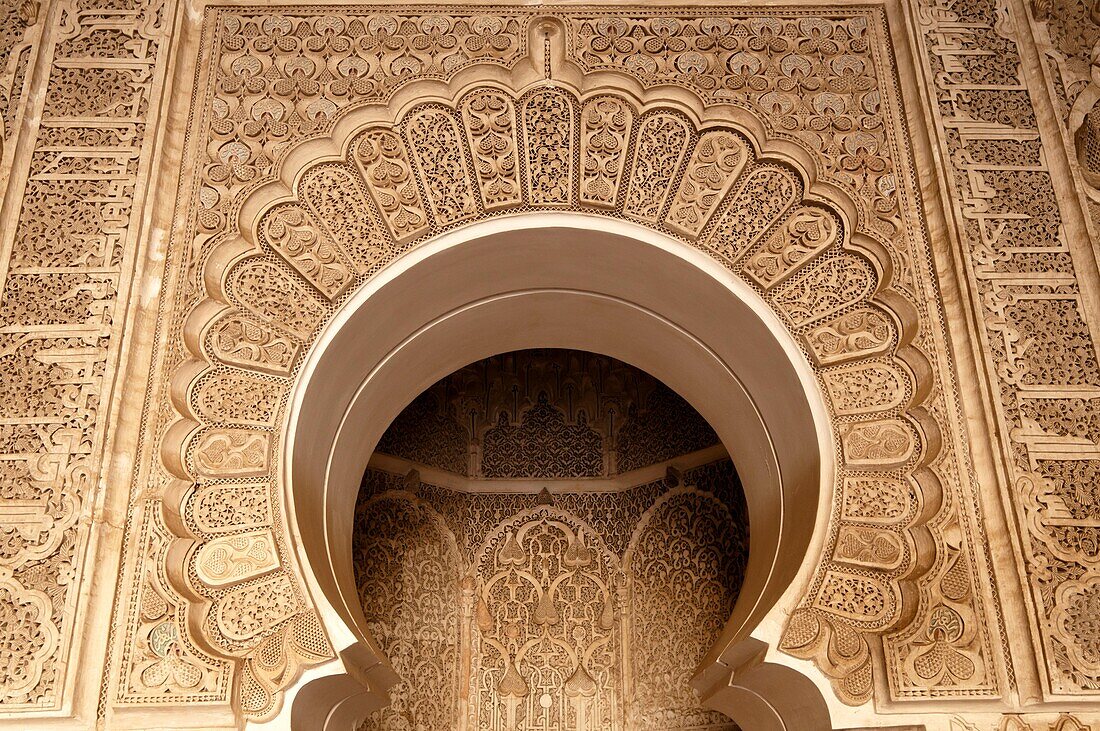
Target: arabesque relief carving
(846, 271)
(572, 610)
(1028, 261)
(546, 414)
(772, 139)
(69, 246)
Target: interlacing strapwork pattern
(69, 246)
(592, 612)
(1030, 285)
(853, 288)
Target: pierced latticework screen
(574, 609)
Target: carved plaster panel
(546, 414)
(773, 140)
(75, 158)
(574, 610)
(784, 159)
(1032, 280)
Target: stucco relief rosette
(1076, 613)
(440, 155)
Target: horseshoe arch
(597, 215)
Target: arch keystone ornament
(581, 178)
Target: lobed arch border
(525, 76)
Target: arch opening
(558, 280)
(548, 539)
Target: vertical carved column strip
(21, 25)
(71, 246)
(1014, 210)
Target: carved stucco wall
(848, 272)
(635, 587)
(546, 414)
(499, 604)
(1013, 255)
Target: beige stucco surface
(235, 241)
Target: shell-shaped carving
(239, 340)
(865, 387)
(490, 120)
(290, 230)
(440, 153)
(442, 164)
(231, 453)
(662, 140)
(338, 197)
(275, 296)
(606, 124)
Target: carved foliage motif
(548, 127)
(291, 231)
(340, 204)
(716, 162)
(815, 278)
(807, 232)
(549, 641)
(666, 624)
(811, 78)
(434, 134)
(538, 603)
(662, 141)
(544, 444)
(490, 121)
(546, 414)
(385, 166)
(407, 568)
(606, 125)
(69, 248)
(163, 663)
(1038, 340)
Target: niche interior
(548, 540)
